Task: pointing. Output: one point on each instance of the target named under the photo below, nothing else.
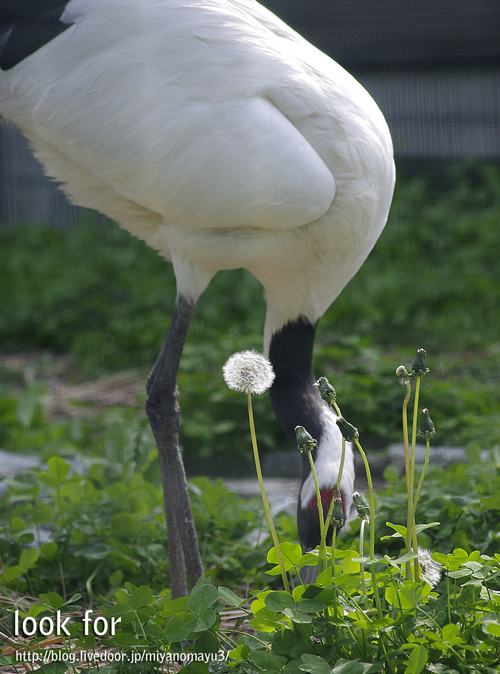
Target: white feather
(327, 464)
(233, 143)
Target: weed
(104, 527)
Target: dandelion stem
(328, 518)
(342, 461)
(414, 428)
(333, 404)
(334, 536)
(322, 527)
(361, 551)
(274, 535)
(322, 542)
(371, 501)
(409, 485)
(411, 509)
(421, 480)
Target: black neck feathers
(26, 26)
(295, 399)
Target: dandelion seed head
(403, 374)
(248, 371)
(431, 570)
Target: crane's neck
(296, 402)
(295, 399)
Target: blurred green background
(102, 298)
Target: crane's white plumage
(327, 464)
(227, 152)
(214, 132)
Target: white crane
(214, 132)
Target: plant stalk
(361, 552)
(322, 527)
(330, 509)
(409, 485)
(274, 535)
(371, 502)
(411, 519)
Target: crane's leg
(162, 408)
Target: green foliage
(433, 278)
(95, 530)
(101, 518)
(96, 524)
(104, 528)
(317, 628)
(462, 393)
(363, 614)
(227, 527)
(85, 292)
(463, 498)
(104, 296)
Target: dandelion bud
(362, 506)
(426, 429)
(248, 372)
(349, 432)
(419, 366)
(326, 391)
(305, 442)
(338, 517)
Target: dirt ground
(65, 395)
